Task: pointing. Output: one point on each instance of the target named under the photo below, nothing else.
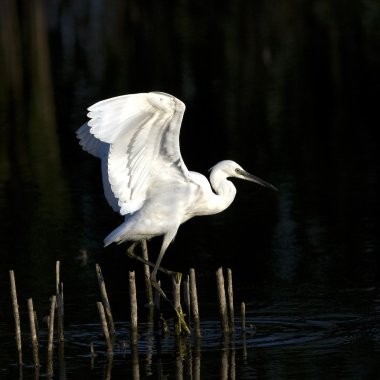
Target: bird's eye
(238, 171)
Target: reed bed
(186, 323)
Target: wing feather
(131, 134)
(90, 143)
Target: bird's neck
(224, 189)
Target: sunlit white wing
(142, 131)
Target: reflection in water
(61, 359)
(197, 358)
(135, 362)
(185, 365)
(108, 368)
(292, 338)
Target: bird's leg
(177, 275)
(156, 267)
(131, 254)
(178, 311)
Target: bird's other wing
(99, 149)
(142, 131)
(90, 143)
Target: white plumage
(144, 177)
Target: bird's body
(144, 177)
(160, 214)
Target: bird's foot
(181, 325)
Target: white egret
(136, 137)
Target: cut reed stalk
(133, 305)
(176, 283)
(57, 276)
(186, 298)
(106, 333)
(243, 327)
(194, 303)
(60, 314)
(148, 283)
(33, 333)
(51, 322)
(59, 306)
(222, 300)
(49, 369)
(157, 298)
(36, 324)
(105, 301)
(230, 300)
(16, 316)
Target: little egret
(136, 137)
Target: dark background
(289, 89)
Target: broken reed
(105, 314)
(133, 304)
(106, 333)
(16, 315)
(49, 365)
(105, 301)
(33, 333)
(226, 310)
(194, 303)
(56, 302)
(191, 301)
(59, 303)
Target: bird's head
(232, 169)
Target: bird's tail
(118, 235)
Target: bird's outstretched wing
(137, 138)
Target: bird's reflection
(186, 364)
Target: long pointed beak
(253, 178)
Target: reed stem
(33, 333)
(16, 316)
(222, 300)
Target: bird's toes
(182, 325)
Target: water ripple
(265, 331)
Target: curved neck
(224, 189)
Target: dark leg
(132, 255)
(154, 282)
(156, 267)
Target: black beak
(252, 178)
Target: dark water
(290, 91)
